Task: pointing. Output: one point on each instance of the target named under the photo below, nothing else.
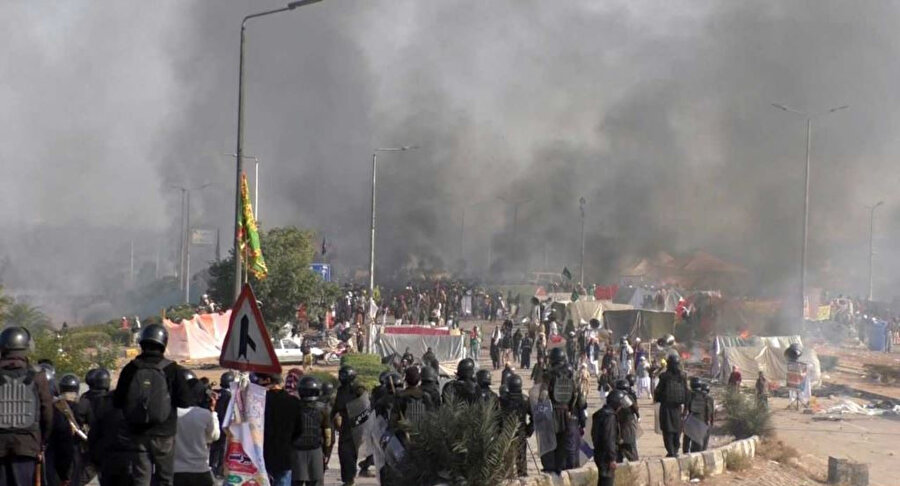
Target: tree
(25, 315)
(5, 302)
(288, 252)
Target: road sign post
(247, 346)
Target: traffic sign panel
(322, 269)
(247, 346)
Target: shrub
(778, 451)
(461, 444)
(367, 366)
(737, 462)
(70, 356)
(89, 339)
(745, 416)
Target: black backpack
(310, 436)
(675, 391)
(563, 389)
(148, 401)
(19, 401)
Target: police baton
(536, 465)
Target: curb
(658, 471)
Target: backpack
(563, 389)
(697, 406)
(675, 392)
(19, 401)
(310, 436)
(148, 401)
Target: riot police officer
(628, 417)
(485, 394)
(464, 387)
(698, 408)
(514, 404)
(672, 394)
(563, 395)
(313, 433)
(91, 406)
(350, 405)
(430, 385)
(605, 435)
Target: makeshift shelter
(199, 337)
(585, 310)
(642, 323)
(757, 353)
(448, 346)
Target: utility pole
(131, 273)
(872, 246)
(581, 203)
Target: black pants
(154, 461)
(521, 457)
(671, 441)
(606, 476)
(347, 454)
(690, 446)
(85, 471)
(193, 479)
(17, 471)
(217, 456)
(526, 360)
(560, 455)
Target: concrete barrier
(657, 471)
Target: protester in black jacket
(152, 446)
(605, 435)
(283, 409)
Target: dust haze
(658, 113)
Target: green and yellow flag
(249, 235)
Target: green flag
(574, 296)
(566, 273)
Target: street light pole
(871, 245)
(239, 152)
(581, 203)
(809, 117)
(186, 237)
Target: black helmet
(15, 339)
(793, 352)
(514, 384)
(309, 388)
(667, 340)
(49, 370)
(673, 361)
(429, 375)
(631, 379)
(154, 334)
(557, 356)
(621, 384)
(394, 381)
(618, 399)
(98, 379)
(69, 383)
(704, 387)
(346, 375)
(696, 384)
(383, 377)
(465, 370)
(595, 324)
(226, 380)
(187, 374)
(327, 389)
(483, 378)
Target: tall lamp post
(255, 160)
(871, 245)
(809, 118)
(186, 236)
(239, 152)
(581, 203)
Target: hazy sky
(657, 112)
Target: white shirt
(197, 428)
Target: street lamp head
(301, 3)
(409, 147)
(838, 108)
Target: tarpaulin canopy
(754, 354)
(199, 337)
(642, 323)
(446, 348)
(585, 310)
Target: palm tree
(25, 315)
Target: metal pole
(805, 224)
(181, 245)
(132, 262)
(582, 201)
(239, 168)
(187, 251)
(372, 235)
(256, 192)
(462, 232)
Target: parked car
(288, 350)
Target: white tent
(199, 337)
(585, 310)
(754, 354)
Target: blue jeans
(282, 478)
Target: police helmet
(394, 381)
(346, 375)
(618, 399)
(514, 384)
(100, 379)
(465, 369)
(621, 384)
(696, 384)
(483, 378)
(667, 340)
(327, 389)
(49, 370)
(69, 383)
(187, 374)
(429, 375)
(226, 380)
(793, 352)
(15, 339)
(309, 388)
(154, 335)
(557, 356)
(595, 323)
(673, 361)
(89, 377)
(631, 379)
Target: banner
(244, 462)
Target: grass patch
(737, 462)
(367, 366)
(827, 362)
(745, 417)
(778, 451)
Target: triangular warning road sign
(247, 346)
